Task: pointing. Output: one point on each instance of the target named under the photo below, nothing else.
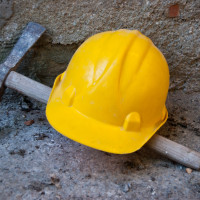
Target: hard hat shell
(112, 95)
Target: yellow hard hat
(112, 95)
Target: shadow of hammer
(11, 79)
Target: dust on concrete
(36, 162)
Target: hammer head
(29, 37)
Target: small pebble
(29, 122)
(55, 180)
(26, 105)
(188, 170)
(174, 10)
(126, 187)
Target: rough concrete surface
(36, 162)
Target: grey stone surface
(69, 23)
(6, 11)
(36, 162)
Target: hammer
(26, 86)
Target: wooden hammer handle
(28, 87)
(175, 151)
(164, 146)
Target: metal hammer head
(29, 37)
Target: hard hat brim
(96, 134)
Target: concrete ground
(36, 162)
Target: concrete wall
(172, 25)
